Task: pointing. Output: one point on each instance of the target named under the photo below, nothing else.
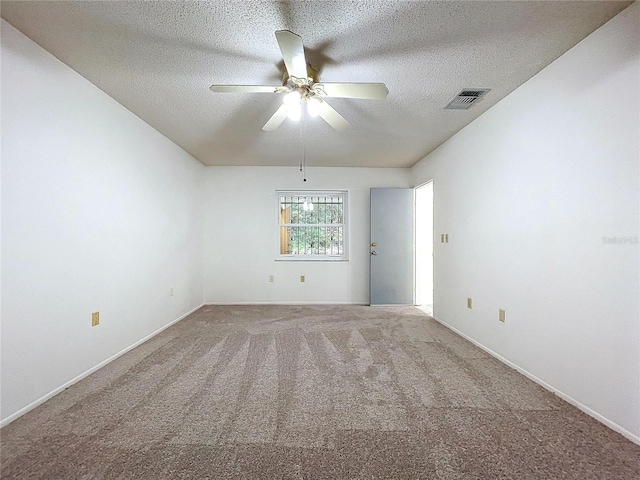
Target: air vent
(467, 98)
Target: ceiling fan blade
(292, 53)
(333, 118)
(276, 119)
(355, 90)
(243, 88)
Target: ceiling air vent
(467, 98)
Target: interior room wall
(241, 235)
(540, 198)
(100, 212)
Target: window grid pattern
(312, 225)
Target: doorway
(424, 246)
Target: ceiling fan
(301, 87)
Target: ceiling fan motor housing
(312, 77)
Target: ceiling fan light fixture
(307, 206)
(292, 102)
(313, 106)
(294, 112)
(291, 98)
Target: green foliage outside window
(312, 225)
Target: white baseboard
(391, 305)
(612, 425)
(285, 303)
(41, 400)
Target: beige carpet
(308, 392)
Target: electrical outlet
(501, 315)
(95, 319)
(271, 278)
(469, 304)
(446, 238)
(302, 278)
(442, 238)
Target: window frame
(344, 257)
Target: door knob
(373, 244)
(373, 252)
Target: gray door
(391, 273)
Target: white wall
(241, 229)
(527, 192)
(100, 212)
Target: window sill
(306, 258)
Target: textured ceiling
(159, 58)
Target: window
(312, 225)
